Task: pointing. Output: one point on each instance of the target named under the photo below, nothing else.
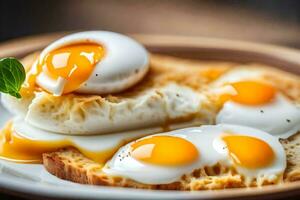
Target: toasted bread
(71, 165)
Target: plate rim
(94, 192)
(227, 49)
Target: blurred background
(268, 21)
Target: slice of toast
(70, 164)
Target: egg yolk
(74, 63)
(164, 150)
(249, 152)
(16, 148)
(251, 93)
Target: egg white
(280, 117)
(211, 148)
(124, 64)
(94, 143)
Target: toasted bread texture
(70, 164)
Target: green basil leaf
(12, 76)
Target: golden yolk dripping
(164, 150)
(251, 93)
(74, 63)
(249, 151)
(19, 149)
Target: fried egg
(94, 62)
(256, 103)
(165, 158)
(163, 98)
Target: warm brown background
(268, 21)
(271, 21)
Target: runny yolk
(74, 63)
(19, 149)
(249, 152)
(164, 150)
(251, 93)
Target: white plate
(32, 180)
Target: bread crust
(66, 164)
(70, 164)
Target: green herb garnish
(12, 76)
